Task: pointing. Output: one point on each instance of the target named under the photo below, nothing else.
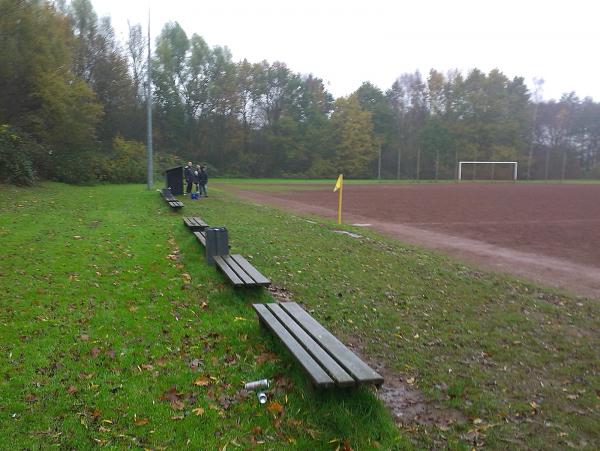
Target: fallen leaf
(162, 362)
(177, 405)
(202, 381)
(266, 357)
(72, 390)
(141, 421)
(94, 352)
(195, 363)
(177, 417)
(171, 395)
(199, 411)
(275, 408)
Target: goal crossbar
(515, 163)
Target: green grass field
(115, 333)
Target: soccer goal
(515, 165)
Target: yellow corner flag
(339, 185)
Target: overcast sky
(346, 42)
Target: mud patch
(280, 294)
(409, 405)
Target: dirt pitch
(549, 233)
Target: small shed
(174, 180)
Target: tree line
(72, 109)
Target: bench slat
(239, 271)
(194, 223)
(346, 358)
(201, 236)
(318, 376)
(228, 272)
(341, 377)
(251, 270)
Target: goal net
(488, 170)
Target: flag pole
(340, 204)
(339, 186)
(149, 152)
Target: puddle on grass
(353, 235)
(407, 404)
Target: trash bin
(217, 243)
(174, 180)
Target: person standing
(202, 181)
(197, 178)
(188, 173)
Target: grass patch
(114, 332)
(99, 324)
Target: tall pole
(149, 111)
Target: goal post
(515, 165)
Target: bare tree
(136, 43)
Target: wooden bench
(195, 223)
(170, 199)
(201, 236)
(239, 271)
(325, 359)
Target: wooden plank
(341, 377)
(317, 375)
(239, 271)
(346, 358)
(195, 223)
(199, 223)
(235, 280)
(201, 236)
(251, 270)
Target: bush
(16, 153)
(77, 169)
(127, 163)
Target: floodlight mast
(515, 163)
(150, 168)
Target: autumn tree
(355, 144)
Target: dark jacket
(188, 173)
(202, 177)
